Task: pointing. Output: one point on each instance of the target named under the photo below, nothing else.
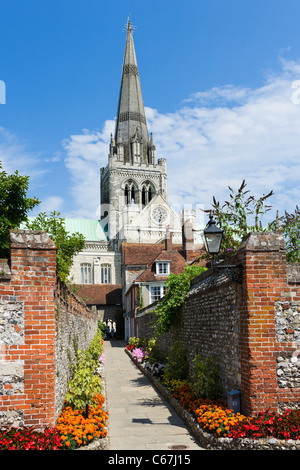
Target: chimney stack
(168, 239)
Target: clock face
(159, 215)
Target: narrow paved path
(139, 417)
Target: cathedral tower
(133, 184)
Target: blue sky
(220, 82)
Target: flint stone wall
(252, 329)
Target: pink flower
(102, 358)
(139, 354)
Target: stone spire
(131, 124)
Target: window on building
(105, 274)
(86, 273)
(143, 195)
(163, 268)
(129, 193)
(147, 193)
(156, 293)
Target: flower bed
(77, 429)
(29, 439)
(213, 416)
(216, 426)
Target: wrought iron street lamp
(213, 236)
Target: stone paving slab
(139, 417)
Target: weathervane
(129, 26)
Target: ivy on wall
(177, 286)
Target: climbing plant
(177, 286)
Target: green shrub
(205, 378)
(102, 328)
(177, 363)
(85, 384)
(136, 342)
(154, 354)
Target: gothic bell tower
(133, 182)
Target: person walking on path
(139, 417)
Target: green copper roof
(91, 229)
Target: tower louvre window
(129, 193)
(147, 193)
(126, 195)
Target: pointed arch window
(126, 194)
(147, 193)
(129, 193)
(143, 195)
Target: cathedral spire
(131, 113)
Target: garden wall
(252, 329)
(40, 322)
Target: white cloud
(14, 155)
(85, 155)
(257, 139)
(50, 204)
(217, 138)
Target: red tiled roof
(101, 294)
(177, 264)
(136, 254)
(140, 254)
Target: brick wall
(265, 286)
(28, 329)
(252, 329)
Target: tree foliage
(14, 205)
(177, 286)
(68, 245)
